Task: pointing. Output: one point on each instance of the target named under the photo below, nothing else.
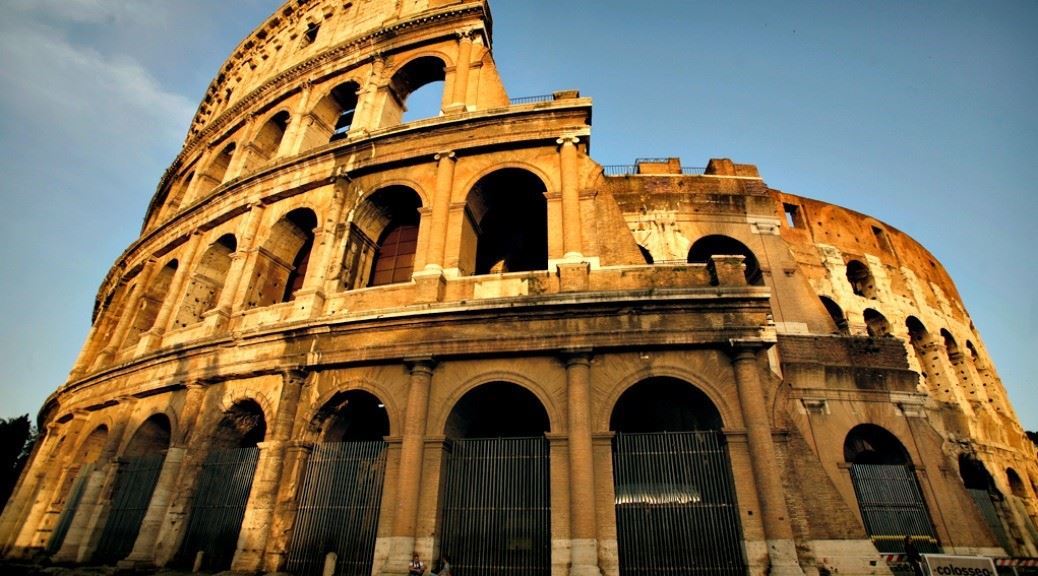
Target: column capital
(445, 155)
(563, 140)
(576, 356)
(747, 348)
(420, 364)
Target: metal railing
(532, 99)
(632, 169)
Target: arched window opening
(672, 478)
(1016, 485)
(496, 459)
(876, 324)
(424, 102)
(861, 280)
(950, 346)
(646, 254)
(176, 201)
(224, 482)
(888, 494)
(716, 245)
(150, 303)
(268, 141)
(203, 292)
(218, 167)
(506, 228)
(71, 492)
(383, 239)
(836, 314)
(405, 82)
(664, 405)
(497, 410)
(344, 98)
(135, 481)
(282, 262)
(917, 332)
(353, 416)
(352, 453)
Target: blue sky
(922, 114)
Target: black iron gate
(75, 494)
(218, 507)
(134, 483)
(495, 517)
(339, 501)
(892, 507)
(675, 505)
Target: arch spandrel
(326, 391)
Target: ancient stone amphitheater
(344, 336)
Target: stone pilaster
(151, 339)
(252, 540)
(778, 531)
(409, 475)
(571, 226)
(583, 529)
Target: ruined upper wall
(300, 31)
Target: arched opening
(217, 170)
(672, 477)
(267, 142)
(73, 490)
(341, 493)
(716, 245)
(891, 504)
(835, 314)
(150, 303)
(982, 489)
(224, 482)
(416, 74)
(136, 476)
(506, 224)
(927, 354)
(383, 239)
(179, 194)
(950, 346)
(876, 324)
(496, 461)
(203, 292)
(1016, 485)
(861, 280)
(281, 264)
(334, 115)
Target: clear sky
(922, 114)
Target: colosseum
(344, 337)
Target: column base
(431, 284)
(783, 557)
(584, 557)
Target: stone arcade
(343, 337)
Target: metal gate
(495, 518)
(675, 505)
(339, 501)
(218, 507)
(987, 509)
(134, 482)
(892, 507)
(75, 494)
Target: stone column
(313, 292)
(151, 339)
(129, 314)
(571, 226)
(77, 530)
(144, 547)
(297, 456)
(445, 162)
(369, 113)
(259, 511)
(461, 72)
(216, 319)
(778, 531)
(409, 474)
(583, 529)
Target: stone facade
(308, 252)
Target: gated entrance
(340, 493)
(69, 511)
(675, 499)
(134, 483)
(891, 504)
(495, 510)
(223, 487)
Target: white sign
(945, 565)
